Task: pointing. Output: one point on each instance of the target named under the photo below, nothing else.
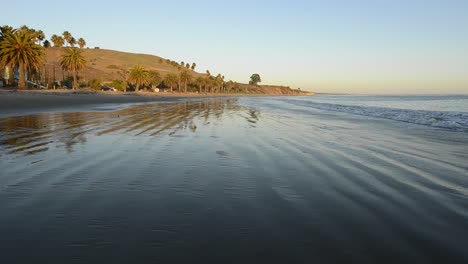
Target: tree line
(23, 49)
(66, 38)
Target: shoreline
(239, 170)
(17, 103)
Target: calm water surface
(246, 180)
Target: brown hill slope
(105, 64)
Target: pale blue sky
(353, 46)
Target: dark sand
(14, 103)
(25, 102)
(247, 180)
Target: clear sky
(350, 46)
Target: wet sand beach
(29, 102)
(230, 180)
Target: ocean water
(445, 111)
(238, 180)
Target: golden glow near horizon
(398, 46)
(390, 86)
(435, 84)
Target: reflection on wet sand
(225, 177)
(27, 135)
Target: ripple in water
(229, 180)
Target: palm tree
(155, 79)
(229, 85)
(171, 79)
(38, 34)
(46, 44)
(200, 81)
(81, 43)
(18, 49)
(222, 83)
(74, 61)
(194, 65)
(212, 84)
(185, 77)
(72, 42)
(138, 76)
(57, 40)
(218, 82)
(124, 76)
(3, 31)
(67, 36)
(209, 84)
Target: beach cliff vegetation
(27, 54)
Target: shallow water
(230, 180)
(444, 111)
(441, 103)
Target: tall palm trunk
(22, 78)
(185, 87)
(11, 76)
(75, 82)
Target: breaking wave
(449, 120)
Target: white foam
(449, 120)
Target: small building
(5, 75)
(7, 71)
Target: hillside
(105, 64)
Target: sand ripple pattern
(230, 180)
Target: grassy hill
(104, 65)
